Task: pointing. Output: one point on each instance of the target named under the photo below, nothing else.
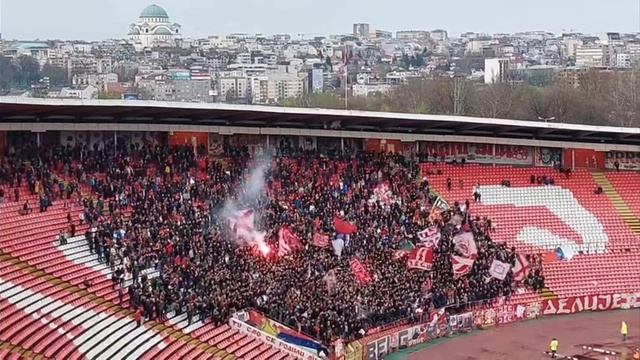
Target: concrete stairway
(618, 203)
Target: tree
(29, 70)
(8, 72)
(497, 100)
(322, 100)
(560, 101)
(57, 75)
(109, 95)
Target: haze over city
(95, 20)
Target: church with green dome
(153, 29)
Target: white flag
(499, 269)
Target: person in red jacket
(138, 317)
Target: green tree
(29, 70)
(8, 72)
(57, 75)
(109, 95)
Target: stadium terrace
(149, 230)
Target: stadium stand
(606, 270)
(113, 253)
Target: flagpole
(345, 58)
(346, 89)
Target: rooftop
(154, 11)
(61, 113)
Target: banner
(574, 305)
(344, 227)
(461, 322)
(499, 270)
(461, 265)
(353, 351)
(420, 258)
(388, 342)
(548, 156)
(479, 153)
(263, 337)
(320, 240)
(282, 332)
(627, 160)
(521, 269)
(441, 204)
(430, 237)
(383, 194)
(360, 272)
(288, 242)
(440, 324)
(466, 245)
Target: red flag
(320, 240)
(344, 227)
(288, 242)
(420, 258)
(461, 265)
(360, 272)
(521, 268)
(549, 257)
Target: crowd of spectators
(157, 208)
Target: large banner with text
(479, 153)
(266, 338)
(625, 160)
(577, 304)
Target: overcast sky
(101, 19)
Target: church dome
(154, 11)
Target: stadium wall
(442, 324)
(381, 344)
(282, 131)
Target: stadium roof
(26, 110)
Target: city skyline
(102, 20)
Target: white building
(272, 88)
(570, 46)
(153, 29)
(83, 92)
(439, 35)
(232, 86)
(412, 35)
(623, 61)
(361, 30)
(222, 42)
(365, 90)
(477, 45)
(100, 81)
(496, 71)
(592, 56)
